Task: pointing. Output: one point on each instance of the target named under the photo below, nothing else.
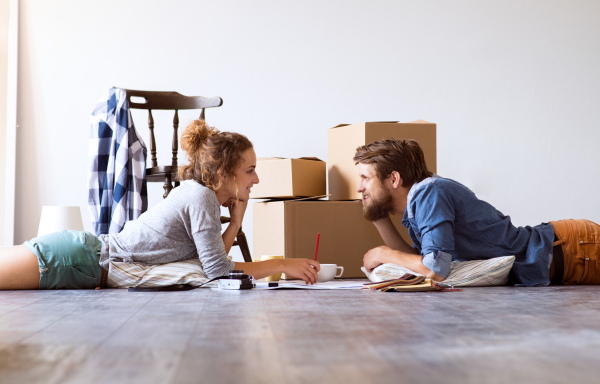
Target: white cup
(328, 272)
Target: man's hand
(391, 237)
(377, 256)
(383, 254)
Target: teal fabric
(68, 260)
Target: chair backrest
(169, 101)
(176, 101)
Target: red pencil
(317, 250)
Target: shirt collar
(408, 213)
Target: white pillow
(472, 273)
(125, 275)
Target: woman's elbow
(216, 271)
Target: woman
(186, 225)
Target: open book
(407, 282)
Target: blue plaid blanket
(117, 178)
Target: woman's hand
(304, 269)
(237, 215)
(238, 209)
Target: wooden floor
(478, 335)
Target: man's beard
(379, 208)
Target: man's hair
(404, 156)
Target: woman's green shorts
(68, 260)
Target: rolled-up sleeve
(434, 216)
(439, 262)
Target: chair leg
(243, 244)
(167, 186)
(240, 240)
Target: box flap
(287, 158)
(368, 122)
(287, 199)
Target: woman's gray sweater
(184, 226)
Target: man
(446, 222)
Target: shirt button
(419, 234)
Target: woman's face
(245, 176)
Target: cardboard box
(343, 140)
(288, 178)
(290, 228)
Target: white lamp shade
(56, 218)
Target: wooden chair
(167, 174)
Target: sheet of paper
(346, 284)
(335, 284)
(340, 284)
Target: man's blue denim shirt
(446, 222)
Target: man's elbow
(434, 276)
(437, 261)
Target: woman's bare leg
(19, 268)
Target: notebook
(405, 283)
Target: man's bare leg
(19, 268)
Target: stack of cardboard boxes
(290, 227)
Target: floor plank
(492, 335)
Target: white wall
(512, 85)
(4, 13)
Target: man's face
(377, 200)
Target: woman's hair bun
(211, 154)
(196, 134)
